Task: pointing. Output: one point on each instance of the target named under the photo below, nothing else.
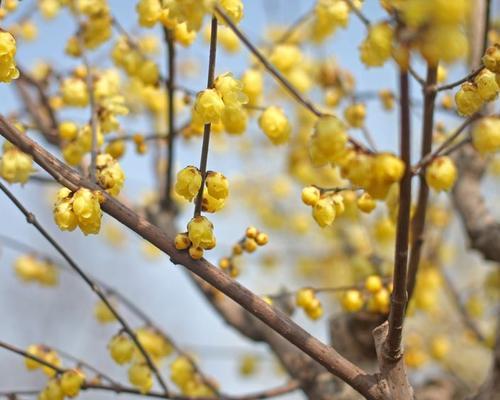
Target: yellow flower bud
(468, 100)
(274, 123)
(200, 232)
(324, 212)
(121, 348)
(217, 185)
(352, 301)
(486, 135)
(188, 182)
(441, 174)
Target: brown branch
(418, 222)
(31, 219)
(25, 354)
(388, 336)
(276, 320)
(170, 87)
(466, 78)
(426, 159)
(207, 127)
(366, 22)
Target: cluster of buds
(373, 295)
(81, 208)
(30, 269)
(187, 379)
(326, 204)
(68, 384)
(307, 300)
(249, 243)
(15, 166)
(124, 351)
(199, 237)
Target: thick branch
(278, 321)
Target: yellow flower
(467, 99)
(253, 85)
(352, 300)
(183, 35)
(121, 348)
(235, 120)
(200, 232)
(486, 135)
(103, 313)
(140, 376)
(328, 141)
(110, 174)
(74, 92)
(441, 174)
(355, 115)
(275, 125)
(149, 12)
(230, 90)
(15, 166)
(487, 87)
(285, 57)
(209, 106)
(217, 185)
(188, 182)
(233, 9)
(310, 195)
(377, 46)
(324, 212)
(366, 203)
(68, 130)
(71, 382)
(8, 69)
(491, 58)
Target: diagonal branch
(278, 321)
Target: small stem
(466, 78)
(31, 219)
(170, 83)
(207, 128)
(429, 157)
(487, 21)
(93, 109)
(25, 354)
(418, 222)
(392, 348)
(366, 22)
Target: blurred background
(63, 316)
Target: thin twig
(294, 26)
(466, 78)
(429, 157)
(31, 219)
(366, 22)
(115, 294)
(33, 357)
(170, 86)
(207, 128)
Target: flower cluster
(374, 296)
(326, 204)
(307, 300)
(31, 269)
(471, 96)
(81, 208)
(437, 27)
(123, 351)
(199, 237)
(68, 384)
(110, 174)
(184, 375)
(8, 69)
(222, 103)
(15, 166)
(249, 243)
(44, 353)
